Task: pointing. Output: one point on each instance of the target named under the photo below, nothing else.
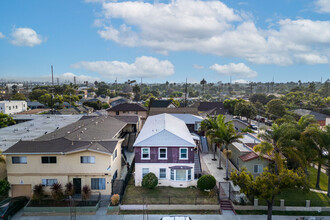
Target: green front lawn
(289, 213)
(298, 198)
(168, 195)
(312, 174)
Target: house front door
(77, 185)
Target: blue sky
(160, 40)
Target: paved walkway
(318, 191)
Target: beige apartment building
(87, 152)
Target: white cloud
(322, 6)
(233, 69)
(312, 58)
(80, 78)
(148, 67)
(213, 28)
(2, 35)
(241, 81)
(25, 37)
(199, 67)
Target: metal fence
(172, 200)
(225, 191)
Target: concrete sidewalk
(157, 217)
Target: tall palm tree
(203, 82)
(209, 125)
(320, 140)
(228, 136)
(217, 135)
(277, 142)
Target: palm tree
(203, 82)
(229, 136)
(320, 141)
(216, 133)
(209, 125)
(278, 142)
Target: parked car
(176, 218)
(269, 123)
(254, 127)
(10, 206)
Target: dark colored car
(10, 206)
(269, 123)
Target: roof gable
(164, 130)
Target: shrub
(56, 190)
(86, 192)
(38, 192)
(206, 182)
(69, 189)
(149, 181)
(115, 199)
(4, 188)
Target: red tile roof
(249, 156)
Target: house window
(98, 183)
(181, 175)
(189, 174)
(115, 175)
(87, 159)
(257, 168)
(114, 155)
(145, 154)
(172, 174)
(117, 112)
(162, 173)
(136, 112)
(197, 126)
(17, 160)
(162, 155)
(9, 108)
(48, 182)
(48, 159)
(183, 153)
(145, 171)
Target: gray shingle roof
(127, 107)
(60, 146)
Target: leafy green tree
(229, 104)
(245, 109)
(18, 96)
(315, 100)
(4, 188)
(175, 102)
(6, 120)
(36, 93)
(259, 97)
(136, 90)
(268, 185)
(276, 108)
(102, 88)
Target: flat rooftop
(35, 127)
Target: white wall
(12, 107)
(154, 168)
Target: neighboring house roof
(76, 110)
(160, 103)
(164, 130)
(89, 129)
(249, 156)
(129, 119)
(34, 111)
(35, 104)
(188, 118)
(318, 116)
(212, 108)
(187, 110)
(61, 146)
(247, 139)
(128, 107)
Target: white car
(176, 218)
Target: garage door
(21, 190)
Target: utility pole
(52, 107)
(185, 95)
